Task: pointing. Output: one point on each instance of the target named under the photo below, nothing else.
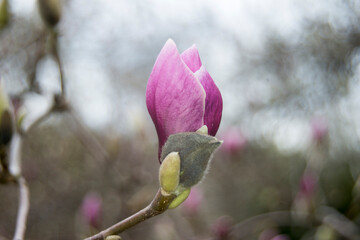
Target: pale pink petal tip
(191, 58)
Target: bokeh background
(289, 74)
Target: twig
(55, 52)
(88, 139)
(23, 209)
(159, 204)
(59, 104)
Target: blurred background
(289, 74)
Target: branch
(55, 52)
(87, 138)
(159, 204)
(23, 209)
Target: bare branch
(159, 204)
(88, 139)
(23, 211)
(55, 52)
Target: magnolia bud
(6, 130)
(50, 11)
(113, 237)
(195, 152)
(6, 122)
(169, 172)
(203, 130)
(180, 198)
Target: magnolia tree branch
(55, 52)
(87, 138)
(59, 104)
(23, 211)
(159, 204)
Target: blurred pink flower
(281, 237)
(91, 209)
(181, 96)
(234, 140)
(308, 184)
(319, 128)
(268, 234)
(193, 202)
(222, 227)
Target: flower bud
(203, 130)
(50, 11)
(6, 122)
(6, 130)
(234, 141)
(113, 237)
(319, 129)
(91, 209)
(221, 228)
(4, 13)
(180, 198)
(281, 237)
(195, 152)
(169, 172)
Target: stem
(23, 209)
(159, 204)
(55, 51)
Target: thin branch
(88, 139)
(23, 209)
(55, 52)
(159, 204)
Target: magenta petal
(191, 58)
(174, 97)
(213, 101)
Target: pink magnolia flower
(234, 141)
(221, 228)
(91, 209)
(181, 96)
(268, 234)
(319, 128)
(308, 184)
(281, 237)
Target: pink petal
(213, 101)
(174, 96)
(191, 58)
